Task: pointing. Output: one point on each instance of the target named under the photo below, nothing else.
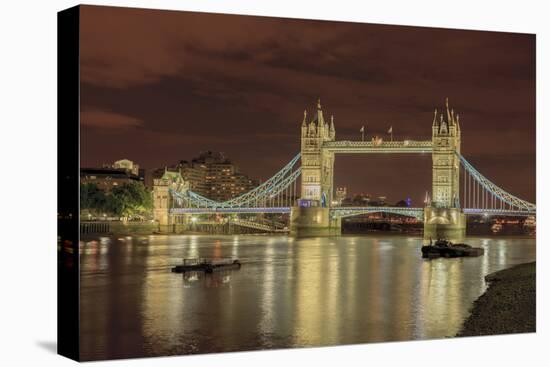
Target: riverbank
(508, 306)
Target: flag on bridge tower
(362, 131)
(390, 131)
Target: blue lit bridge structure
(303, 188)
(278, 194)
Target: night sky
(160, 86)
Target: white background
(28, 181)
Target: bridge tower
(163, 201)
(310, 217)
(443, 216)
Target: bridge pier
(164, 219)
(313, 222)
(447, 223)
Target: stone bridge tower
(443, 217)
(311, 215)
(162, 198)
(445, 163)
(317, 164)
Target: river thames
(288, 293)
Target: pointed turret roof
(443, 126)
(448, 113)
(318, 117)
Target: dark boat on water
(206, 265)
(444, 248)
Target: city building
(111, 175)
(213, 175)
(357, 200)
(126, 165)
(195, 173)
(107, 178)
(223, 178)
(381, 201)
(402, 204)
(341, 194)
(361, 200)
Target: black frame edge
(68, 176)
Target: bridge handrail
(497, 191)
(511, 212)
(207, 210)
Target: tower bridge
(304, 187)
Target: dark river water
(288, 293)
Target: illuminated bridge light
(282, 185)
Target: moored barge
(444, 248)
(206, 265)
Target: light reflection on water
(288, 293)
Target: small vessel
(206, 265)
(444, 248)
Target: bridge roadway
(247, 224)
(337, 212)
(284, 209)
(341, 211)
(348, 211)
(513, 213)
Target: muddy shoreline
(508, 306)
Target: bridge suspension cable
(277, 191)
(480, 193)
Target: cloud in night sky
(187, 82)
(108, 120)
